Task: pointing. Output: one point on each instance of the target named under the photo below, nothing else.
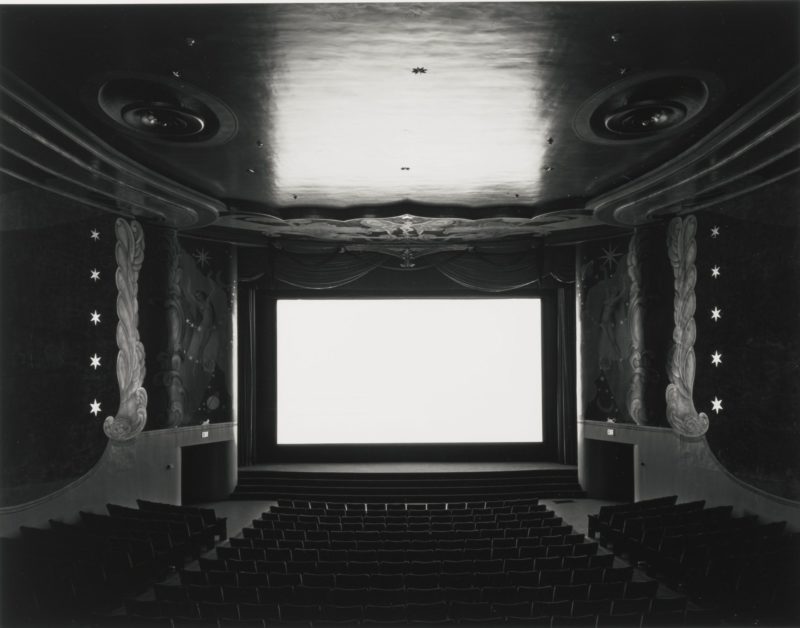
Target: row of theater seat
(496, 576)
(554, 536)
(735, 563)
(314, 507)
(627, 612)
(496, 552)
(309, 594)
(547, 572)
(328, 516)
(414, 552)
(434, 522)
(409, 534)
(70, 570)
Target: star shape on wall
(610, 255)
(715, 231)
(94, 235)
(716, 358)
(715, 272)
(716, 314)
(95, 275)
(95, 317)
(95, 361)
(420, 70)
(202, 256)
(95, 407)
(716, 405)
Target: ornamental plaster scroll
(132, 414)
(636, 404)
(682, 251)
(408, 227)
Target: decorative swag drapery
(490, 269)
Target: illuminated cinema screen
(397, 371)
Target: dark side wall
(742, 441)
(58, 331)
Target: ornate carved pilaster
(132, 414)
(175, 325)
(636, 388)
(682, 251)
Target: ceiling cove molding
(408, 227)
(755, 147)
(43, 146)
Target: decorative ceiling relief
(132, 414)
(408, 227)
(394, 122)
(755, 147)
(682, 251)
(44, 147)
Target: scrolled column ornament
(132, 414)
(636, 405)
(682, 251)
(176, 316)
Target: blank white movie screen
(409, 371)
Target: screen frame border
(267, 450)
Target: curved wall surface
(61, 375)
(723, 350)
(148, 467)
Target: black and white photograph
(320, 314)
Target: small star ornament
(716, 314)
(94, 407)
(715, 231)
(95, 361)
(94, 234)
(95, 317)
(202, 256)
(715, 272)
(610, 255)
(95, 274)
(716, 405)
(716, 358)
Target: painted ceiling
(454, 121)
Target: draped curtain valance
(485, 269)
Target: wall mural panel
(58, 349)
(622, 374)
(189, 292)
(748, 340)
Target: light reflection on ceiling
(318, 126)
(463, 128)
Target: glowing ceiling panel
(354, 122)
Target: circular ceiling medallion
(646, 107)
(161, 109)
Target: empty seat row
(284, 514)
(405, 534)
(540, 558)
(437, 611)
(600, 520)
(303, 505)
(340, 591)
(606, 585)
(495, 552)
(396, 555)
(487, 522)
(399, 580)
(217, 525)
